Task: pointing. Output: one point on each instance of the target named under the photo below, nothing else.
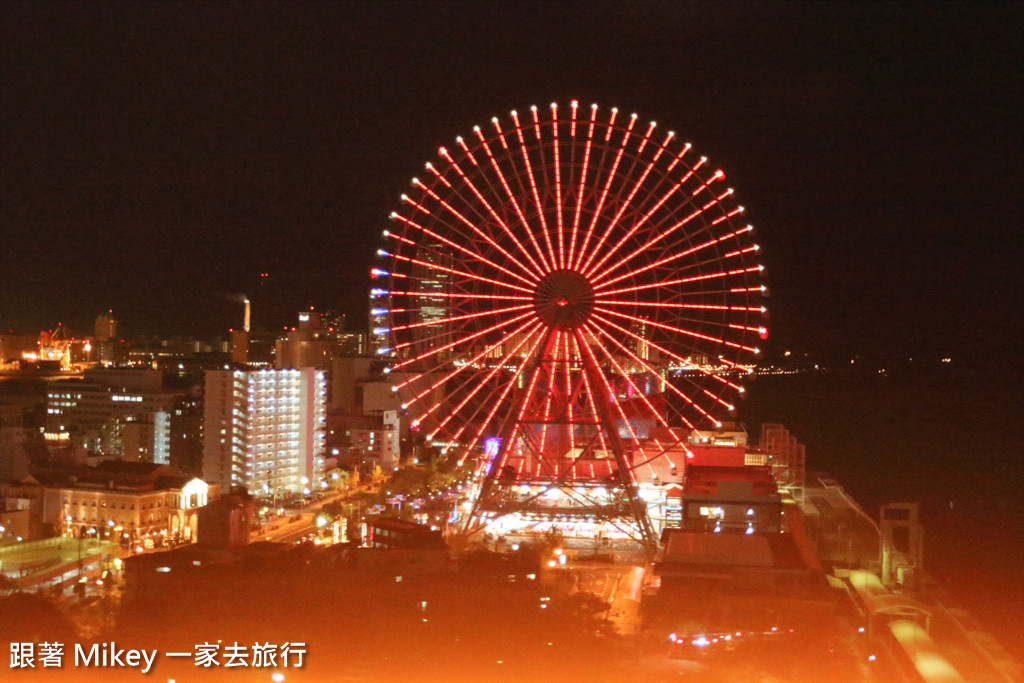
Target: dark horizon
(157, 158)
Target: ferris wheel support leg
(636, 506)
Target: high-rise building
(105, 327)
(240, 346)
(265, 430)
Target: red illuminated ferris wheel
(566, 295)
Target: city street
(619, 585)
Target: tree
(341, 478)
(553, 538)
(439, 480)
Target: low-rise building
(397, 534)
(366, 440)
(140, 505)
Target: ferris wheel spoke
(439, 349)
(600, 282)
(545, 267)
(636, 359)
(636, 187)
(494, 405)
(683, 280)
(456, 295)
(472, 382)
(525, 402)
(546, 414)
(467, 181)
(606, 149)
(465, 221)
(652, 411)
(495, 396)
(624, 205)
(671, 386)
(739, 367)
(459, 368)
(673, 229)
(589, 392)
(616, 198)
(675, 356)
(723, 324)
(481, 393)
(588, 329)
(657, 206)
(483, 382)
(678, 330)
(701, 307)
(455, 318)
(643, 220)
(570, 397)
(467, 239)
(473, 255)
(648, 244)
(461, 273)
(608, 183)
(533, 187)
(689, 400)
(570, 170)
(430, 329)
(583, 178)
(714, 257)
(472, 225)
(611, 399)
(558, 184)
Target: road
(619, 585)
(287, 529)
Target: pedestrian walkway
(842, 534)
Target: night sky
(157, 157)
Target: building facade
(141, 516)
(185, 450)
(139, 505)
(264, 430)
(120, 413)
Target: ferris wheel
(565, 297)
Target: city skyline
(157, 163)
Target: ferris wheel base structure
(502, 513)
(564, 299)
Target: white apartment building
(264, 429)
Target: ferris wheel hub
(564, 299)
